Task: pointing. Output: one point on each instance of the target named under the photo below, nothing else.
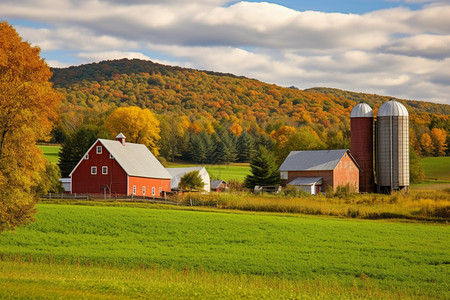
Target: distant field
(50, 152)
(399, 259)
(233, 171)
(437, 174)
(437, 168)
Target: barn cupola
(121, 138)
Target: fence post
(50, 196)
(62, 195)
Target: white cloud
(398, 52)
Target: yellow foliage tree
(28, 108)
(439, 138)
(282, 135)
(138, 125)
(427, 145)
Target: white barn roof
(135, 159)
(177, 173)
(320, 160)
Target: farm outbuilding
(219, 185)
(120, 168)
(333, 167)
(178, 173)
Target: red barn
(320, 169)
(120, 168)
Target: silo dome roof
(361, 110)
(392, 108)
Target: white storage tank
(392, 147)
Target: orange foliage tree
(439, 138)
(28, 108)
(138, 125)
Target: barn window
(134, 189)
(143, 190)
(153, 191)
(104, 170)
(94, 170)
(86, 156)
(111, 156)
(99, 150)
(160, 191)
(284, 175)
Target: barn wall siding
(84, 182)
(346, 172)
(149, 183)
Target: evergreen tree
(264, 170)
(74, 147)
(245, 146)
(227, 148)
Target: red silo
(361, 145)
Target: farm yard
(132, 249)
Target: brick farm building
(315, 171)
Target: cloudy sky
(399, 48)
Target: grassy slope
(437, 168)
(412, 258)
(437, 174)
(50, 152)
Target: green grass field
(233, 171)
(398, 259)
(437, 168)
(50, 152)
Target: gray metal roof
(320, 160)
(361, 110)
(136, 159)
(306, 181)
(215, 183)
(392, 108)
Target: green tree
(50, 182)
(416, 173)
(28, 109)
(75, 146)
(264, 171)
(191, 181)
(226, 149)
(245, 146)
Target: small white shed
(311, 185)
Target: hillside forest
(208, 117)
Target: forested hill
(212, 98)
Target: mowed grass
(437, 168)
(232, 171)
(408, 259)
(50, 152)
(437, 174)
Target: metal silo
(361, 144)
(392, 147)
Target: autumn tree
(264, 170)
(28, 108)
(427, 145)
(439, 139)
(172, 133)
(138, 125)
